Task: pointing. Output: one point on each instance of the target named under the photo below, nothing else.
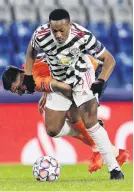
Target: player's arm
(62, 87)
(32, 51)
(108, 65)
(97, 50)
(47, 84)
(107, 69)
(28, 81)
(30, 59)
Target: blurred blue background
(109, 20)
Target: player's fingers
(40, 110)
(43, 107)
(43, 104)
(40, 101)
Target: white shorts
(81, 94)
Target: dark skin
(60, 30)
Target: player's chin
(60, 41)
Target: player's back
(40, 72)
(40, 69)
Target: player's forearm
(56, 86)
(108, 66)
(30, 59)
(62, 87)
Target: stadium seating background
(109, 21)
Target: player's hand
(97, 86)
(42, 102)
(29, 83)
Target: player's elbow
(110, 60)
(107, 58)
(113, 62)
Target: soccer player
(12, 80)
(96, 161)
(64, 44)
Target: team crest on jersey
(75, 51)
(65, 60)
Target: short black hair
(59, 14)
(9, 76)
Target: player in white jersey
(64, 44)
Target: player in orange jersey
(13, 79)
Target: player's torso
(63, 58)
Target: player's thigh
(54, 121)
(57, 106)
(73, 114)
(88, 112)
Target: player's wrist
(102, 81)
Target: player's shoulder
(80, 32)
(79, 28)
(42, 30)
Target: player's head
(59, 20)
(12, 79)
